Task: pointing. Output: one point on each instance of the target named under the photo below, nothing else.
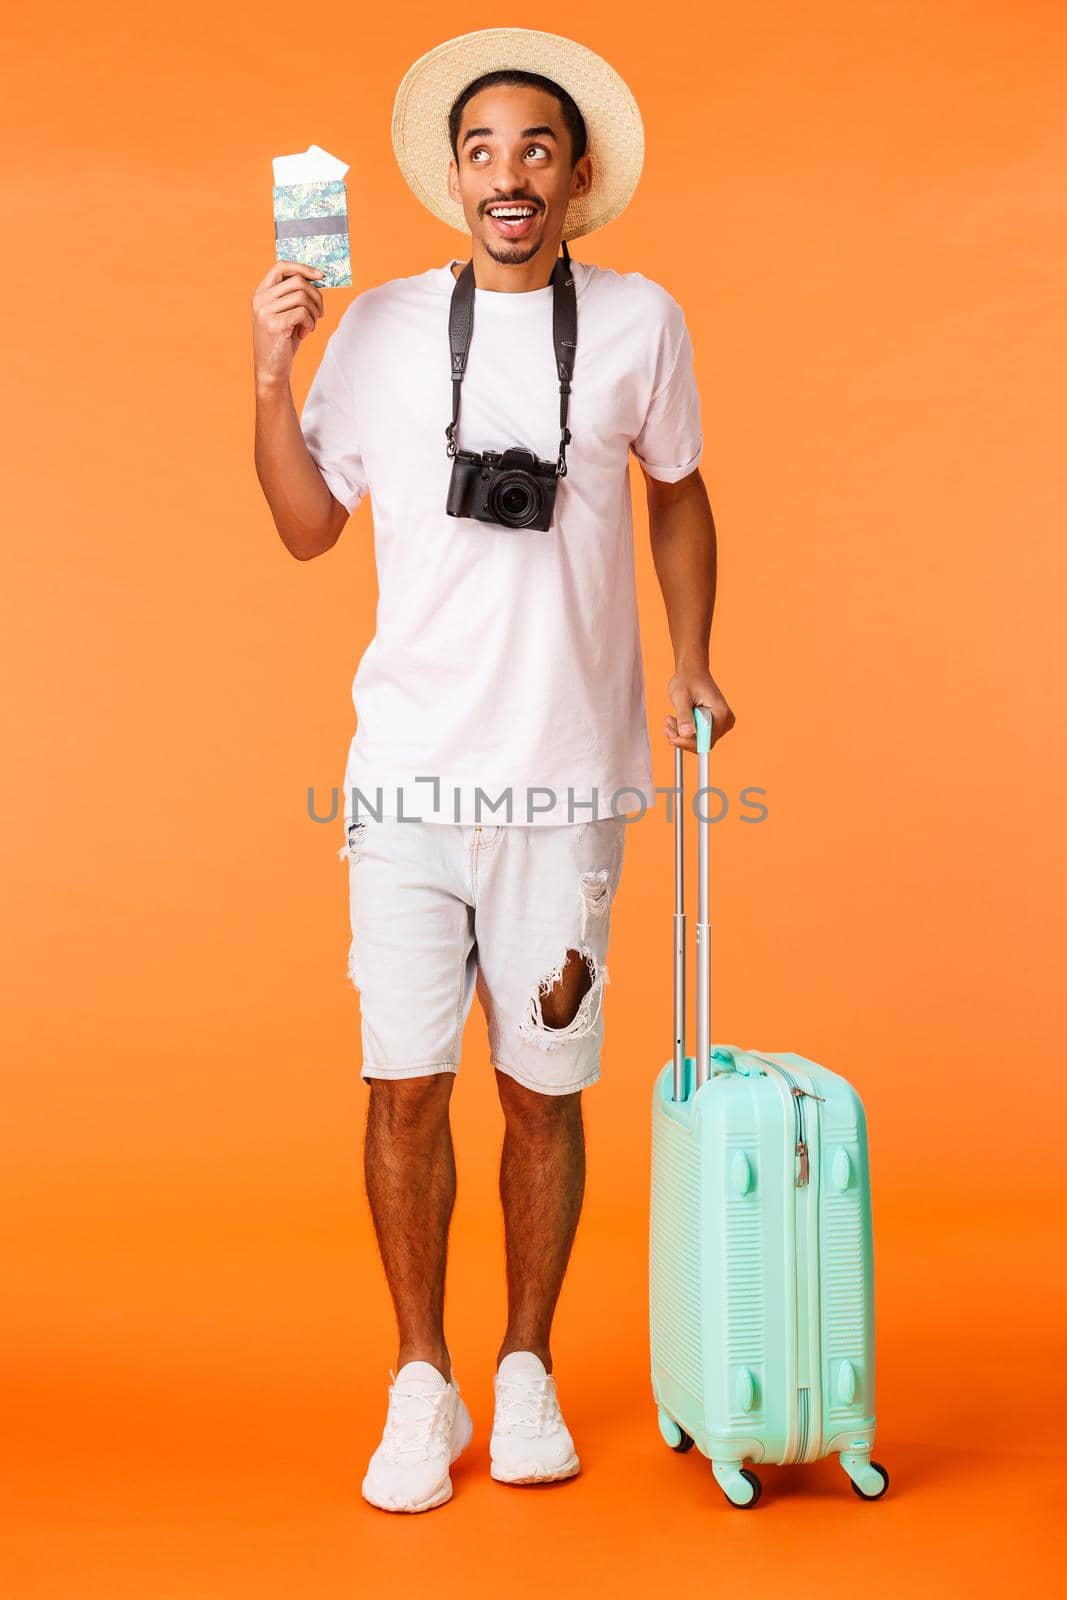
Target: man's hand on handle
(691, 688)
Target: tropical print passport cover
(311, 225)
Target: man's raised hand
(286, 307)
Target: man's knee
(533, 1111)
(411, 1105)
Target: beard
(511, 255)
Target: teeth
(513, 213)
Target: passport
(311, 214)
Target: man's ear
(582, 176)
(453, 181)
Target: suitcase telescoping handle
(702, 719)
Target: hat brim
(429, 89)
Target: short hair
(515, 76)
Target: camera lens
(513, 500)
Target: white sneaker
(427, 1426)
(530, 1442)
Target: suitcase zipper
(798, 1094)
(803, 1414)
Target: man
(506, 663)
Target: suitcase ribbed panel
(844, 1315)
(847, 1274)
(674, 1278)
(745, 1304)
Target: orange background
(860, 207)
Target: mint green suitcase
(761, 1280)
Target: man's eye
(482, 151)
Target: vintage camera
(511, 488)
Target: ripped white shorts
(438, 909)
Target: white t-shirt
(505, 660)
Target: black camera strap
(564, 338)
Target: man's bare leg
(542, 1184)
(410, 1172)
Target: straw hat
(429, 88)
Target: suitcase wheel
(877, 1495)
(739, 1484)
(675, 1436)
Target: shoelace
(412, 1421)
(528, 1402)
